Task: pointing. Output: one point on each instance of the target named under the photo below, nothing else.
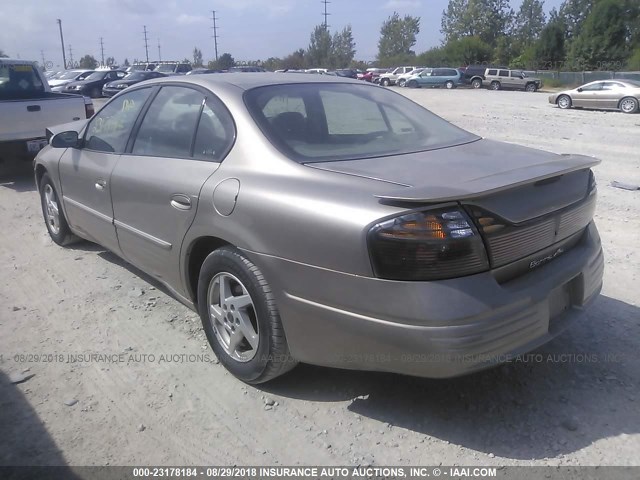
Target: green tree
(88, 61)
(603, 37)
(573, 14)
(634, 60)
(272, 63)
(463, 51)
(550, 49)
(343, 48)
(110, 61)
(319, 49)
(3, 55)
(529, 22)
(197, 57)
(225, 62)
(295, 61)
(487, 19)
(126, 63)
(397, 37)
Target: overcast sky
(248, 29)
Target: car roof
(247, 81)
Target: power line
(215, 32)
(325, 14)
(146, 43)
(64, 58)
(102, 51)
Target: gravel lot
(576, 403)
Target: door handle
(181, 202)
(101, 185)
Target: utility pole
(215, 32)
(102, 51)
(43, 62)
(146, 43)
(325, 14)
(71, 56)
(159, 54)
(64, 58)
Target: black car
(111, 88)
(92, 85)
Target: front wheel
(412, 84)
(54, 219)
(385, 82)
(629, 105)
(531, 87)
(240, 317)
(495, 85)
(402, 82)
(449, 85)
(564, 102)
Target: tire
(629, 105)
(476, 83)
(531, 87)
(54, 218)
(564, 102)
(449, 85)
(495, 85)
(412, 84)
(385, 82)
(253, 362)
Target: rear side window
(215, 132)
(169, 126)
(492, 72)
(19, 81)
(503, 73)
(110, 128)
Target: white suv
(390, 78)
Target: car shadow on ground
(572, 392)
(25, 440)
(21, 181)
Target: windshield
(313, 122)
(19, 81)
(95, 76)
(166, 68)
(68, 75)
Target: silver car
(322, 220)
(616, 94)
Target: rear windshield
(168, 68)
(19, 81)
(314, 122)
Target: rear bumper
(430, 329)
(16, 151)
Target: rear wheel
(564, 102)
(240, 317)
(476, 83)
(629, 105)
(495, 85)
(412, 84)
(449, 85)
(531, 87)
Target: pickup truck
(28, 107)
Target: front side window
(169, 126)
(326, 122)
(594, 87)
(110, 128)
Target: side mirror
(580, 89)
(65, 140)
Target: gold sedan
(615, 94)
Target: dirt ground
(154, 395)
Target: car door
(516, 80)
(504, 79)
(610, 95)
(179, 144)
(587, 95)
(85, 172)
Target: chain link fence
(579, 78)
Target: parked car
(112, 88)
(202, 71)
(173, 68)
(28, 107)
(141, 67)
(301, 232)
(390, 78)
(246, 69)
(317, 70)
(58, 84)
(435, 77)
(402, 79)
(618, 94)
(474, 75)
(92, 85)
(497, 78)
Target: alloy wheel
(52, 209)
(629, 105)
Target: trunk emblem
(541, 261)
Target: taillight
(427, 245)
(89, 110)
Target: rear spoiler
(483, 186)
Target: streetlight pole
(64, 57)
